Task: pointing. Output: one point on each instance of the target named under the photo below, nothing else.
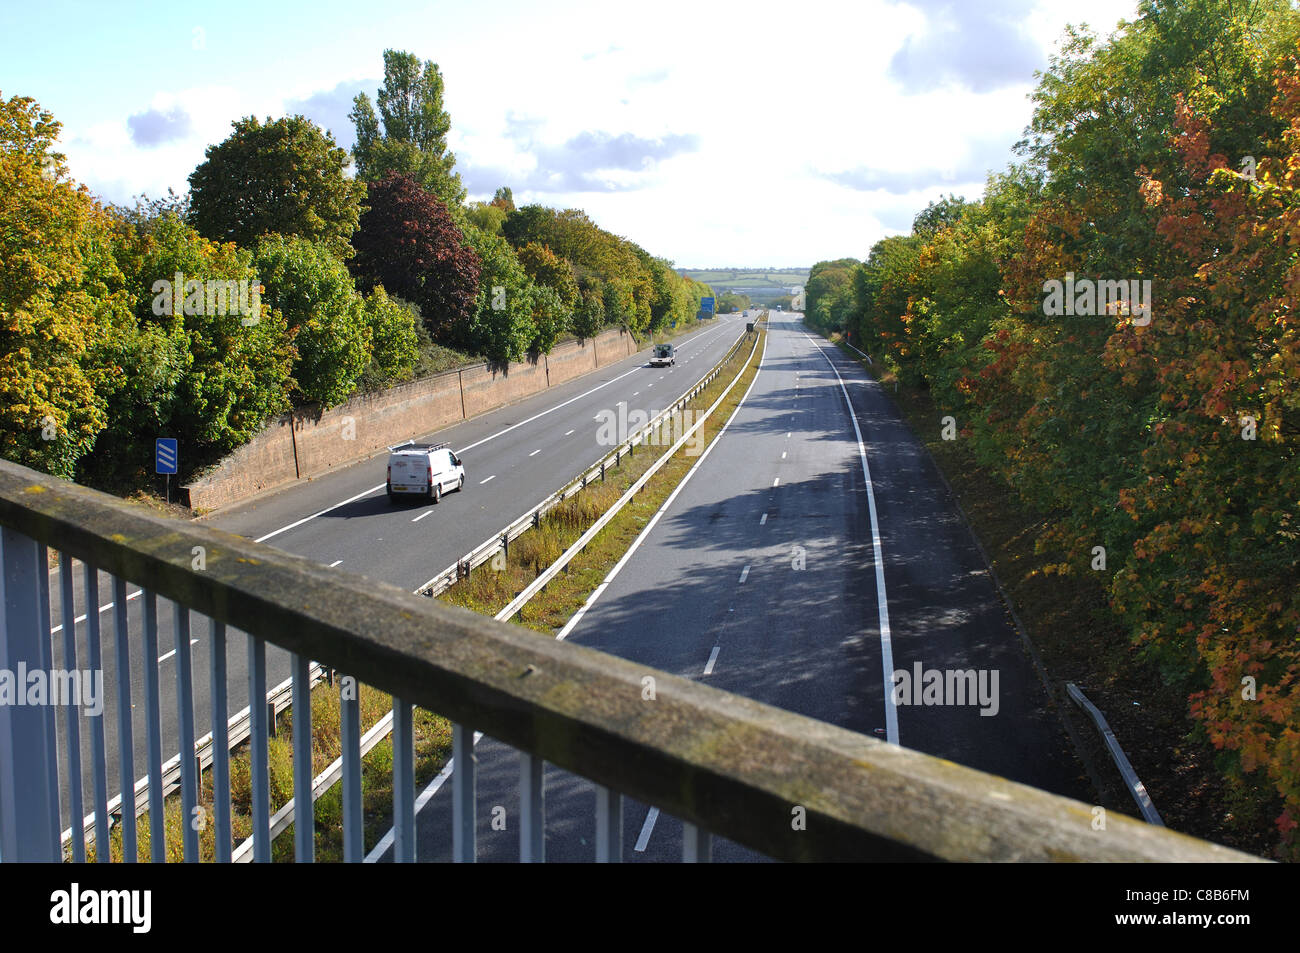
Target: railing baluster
(257, 752)
(153, 725)
(609, 826)
(532, 810)
(72, 716)
(350, 729)
(220, 743)
(185, 724)
(697, 845)
(403, 783)
(99, 758)
(463, 802)
(304, 808)
(29, 770)
(125, 730)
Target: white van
(423, 470)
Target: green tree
(282, 177)
(410, 134)
(394, 340)
(500, 326)
(61, 303)
(545, 268)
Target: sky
(712, 134)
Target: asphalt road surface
(514, 457)
(763, 577)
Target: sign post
(166, 460)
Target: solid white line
(335, 563)
(646, 829)
(492, 477)
(882, 600)
(763, 520)
(567, 432)
(744, 573)
(421, 516)
(163, 658)
(636, 543)
(708, 669)
(386, 841)
(536, 452)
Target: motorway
(769, 575)
(514, 456)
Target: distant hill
(760, 284)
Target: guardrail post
(505, 546)
(29, 774)
(602, 471)
(270, 719)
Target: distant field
(745, 279)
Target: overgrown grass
(490, 588)
(432, 748)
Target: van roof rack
(418, 447)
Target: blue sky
(712, 134)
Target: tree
(500, 327)
(409, 244)
(589, 316)
(282, 177)
(546, 269)
(413, 139)
(550, 318)
(394, 341)
(314, 292)
(504, 199)
(61, 304)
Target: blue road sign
(166, 457)
(706, 304)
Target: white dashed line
(163, 658)
(335, 563)
(744, 574)
(492, 477)
(536, 452)
(763, 520)
(708, 669)
(567, 432)
(776, 482)
(421, 516)
(646, 829)
(782, 454)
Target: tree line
(1160, 444)
(280, 280)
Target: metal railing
(725, 765)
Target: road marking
(635, 393)
(776, 482)
(763, 520)
(636, 543)
(102, 609)
(787, 435)
(882, 599)
(567, 432)
(646, 829)
(335, 563)
(782, 454)
(536, 452)
(479, 443)
(421, 516)
(708, 669)
(163, 658)
(744, 573)
(492, 477)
